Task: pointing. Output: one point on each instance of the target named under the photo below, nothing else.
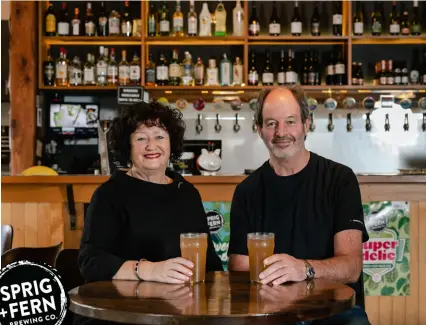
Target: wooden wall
(39, 215)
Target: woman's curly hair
(152, 114)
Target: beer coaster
(181, 104)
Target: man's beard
(287, 152)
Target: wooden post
(23, 83)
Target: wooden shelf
(304, 39)
(96, 88)
(388, 39)
(91, 40)
(195, 40)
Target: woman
(138, 216)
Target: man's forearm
(344, 269)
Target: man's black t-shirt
(304, 210)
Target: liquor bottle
(89, 24)
(339, 70)
(174, 70)
(317, 76)
(383, 74)
(177, 21)
(114, 23)
(415, 69)
(150, 72)
(50, 21)
(415, 24)
(76, 76)
(358, 19)
(102, 21)
(192, 20)
(61, 69)
(253, 77)
(290, 73)
(212, 73)
(152, 19)
(199, 72)
(123, 70)
(225, 71)
(267, 75)
(101, 68)
(126, 21)
(313, 75)
(63, 21)
(394, 27)
(355, 80)
(296, 21)
(398, 76)
(112, 72)
(390, 77)
(162, 72)
(315, 21)
(135, 70)
(404, 21)
(423, 77)
(237, 74)
(329, 78)
(360, 74)
(254, 27)
(274, 21)
(404, 76)
(75, 23)
(376, 21)
(305, 71)
(220, 16)
(89, 71)
(49, 70)
(281, 72)
(188, 70)
(164, 21)
(238, 20)
(205, 21)
(337, 18)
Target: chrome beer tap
(198, 126)
(217, 127)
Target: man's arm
(238, 262)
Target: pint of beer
(260, 246)
(193, 247)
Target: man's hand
(283, 268)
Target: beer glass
(193, 247)
(260, 246)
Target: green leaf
(387, 291)
(403, 222)
(400, 283)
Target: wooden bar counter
(37, 208)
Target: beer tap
(406, 125)
(217, 127)
(387, 124)
(368, 123)
(198, 126)
(424, 122)
(349, 126)
(330, 125)
(237, 127)
(312, 124)
(254, 126)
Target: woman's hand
(174, 270)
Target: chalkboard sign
(129, 94)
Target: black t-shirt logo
(31, 293)
(215, 220)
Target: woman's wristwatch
(310, 271)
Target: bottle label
(390, 80)
(212, 77)
(90, 28)
(174, 70)
(63, 28)
(220, 24)
(75, 78)
(164, 27)
(89, 75)
(398, 80)
(123, 72)
(254, 29)
(394, 28)
(49, 72)
(103, 21)
(359, 28)
(205, 26)
(135, 72)
(311, 78)
(267, 78)
(50, 24)
(337, 19)
(238, 74)
(274, 29)
(405, 31)
(178, 24)
(151, 25)
(290, 77)
(192, 26)
(150, 76)
(112, 71)
(383, 80)
(355, 81)
(101, 68)
(315, 28)
(281, 78)
(126, 27)
(416, 29)
(225, 73)
(377, 27)
(404, 80)
(187, 74)
(114, 26)
(199, 73)
(162, 72)
(339, 68)
(360, 81)
(76, 27)
(414, 76)
(424, 79)
(330, 70)
(296, 27)
(253, 78)
(61, 71)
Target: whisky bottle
(126, 21)
(101, 68)
(89, 24)
(112, 77)
(102, 21)
(177, 21)
(76, 73)
(123, 70)
(152, 19)
(162, 72)
(199, 72)
(164, 21)
(62, 69)
(63, 21)
(50, 21)
(135, 70)
(150, 72)
(188, 70)
(114, 23)
(175, 73)
(49, 70)
(75, 23)
(89, 71)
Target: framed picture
(5, 36)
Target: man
(312, 204)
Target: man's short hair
(298, 93)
